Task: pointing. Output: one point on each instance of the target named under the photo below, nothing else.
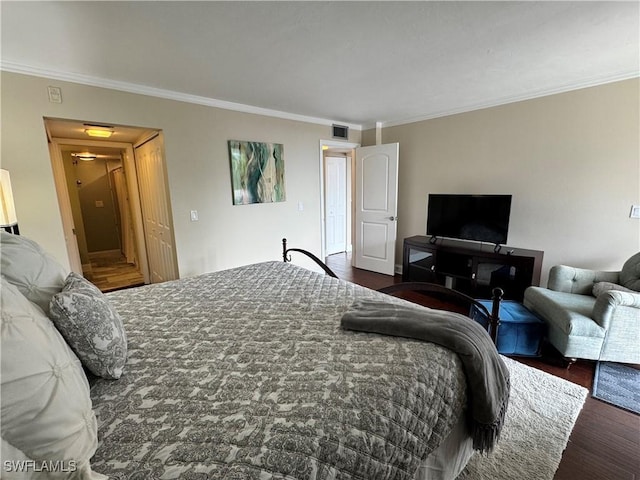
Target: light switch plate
(635, 211)
(194, 215)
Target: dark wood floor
(605, 442)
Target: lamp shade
(7, 208)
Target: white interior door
(156, 213)
(376, 207)
(336, 204)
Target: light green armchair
(591, 314)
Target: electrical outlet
(635, 211)
(194, 215)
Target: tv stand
(469, 267)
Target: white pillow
(15, 464)
(46, 409)
(27, 266)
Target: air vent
(340, 131)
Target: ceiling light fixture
(98, 132)
(87, 157)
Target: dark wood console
(471, 268)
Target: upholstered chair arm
(615, 306)
(563, 278)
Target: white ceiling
(350, 62)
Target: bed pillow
(91, 326)
(27, 266)
(46, 408)
(601, 287)
(630, 273)
(14, 457)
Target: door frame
(333, 144)
(64, 201)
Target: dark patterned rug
(617, 384)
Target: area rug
(542, 412)
(618, 385)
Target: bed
(247, 374)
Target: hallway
(109, 271)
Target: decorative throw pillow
(601, 287)
(91, 326)
(27, 266)
(46, 408)
(630, 273)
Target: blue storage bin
(520, 332)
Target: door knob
(392, 218)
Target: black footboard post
(494, 320)
(287, 258)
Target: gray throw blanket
(487, 375)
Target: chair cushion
(26, 265)
(91, 326)
(569, 312)
(602, 287)
(630, 273)
(46, 408)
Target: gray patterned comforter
(246, 374)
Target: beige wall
(197, 165)
(571, 162)
(100, 228)
(368, 137)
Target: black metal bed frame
(424, 287)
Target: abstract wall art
(257, 172)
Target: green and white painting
(257, 172)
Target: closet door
(156, 210)
(336, 204)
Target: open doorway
(96, 184)
(372, 200)
(101, 202)
(336, 165)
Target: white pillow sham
(27, 266)
(46, 408)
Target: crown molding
(239, 107)
(592, 82)
(89, 80)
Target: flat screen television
(483, 218)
